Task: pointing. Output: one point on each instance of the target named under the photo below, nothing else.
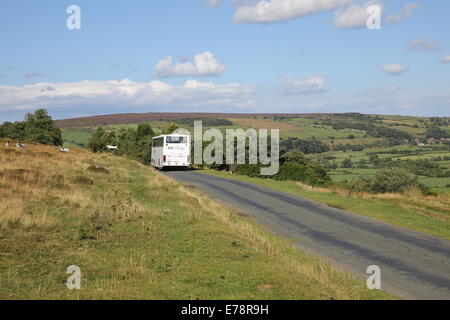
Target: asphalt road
(413, 265)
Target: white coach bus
(173, 150)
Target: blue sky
(294, 60)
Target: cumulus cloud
(393, 69)
(404, 13)
(423, 45)
(446, 59)
(127, 93)
(205, 65)
(354, 16)
(310, 85)
(214, 3)
(283, 10)
(34, 74)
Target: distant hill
(123, 118)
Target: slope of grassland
(137, 234)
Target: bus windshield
(176, 139)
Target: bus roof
(171, 135)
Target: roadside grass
(436, 184)
(429, 214)
(137, 234)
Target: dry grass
(434, 206)
(320, 271)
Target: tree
(37, 127)
(137, 144)
(14, 130)
(170, 128)
(40, 128)
(436, 132)
(99, 140)
(144, 129)
(347, 163)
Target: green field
(76, 136)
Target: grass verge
(429, 214)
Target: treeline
(436, 133)
(37, 127)
(294, 166)
(134, 143)
(389, 142)
(305, 146)
(206, 122)
(438, 121)
(370, 129)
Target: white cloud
(127, 94)
(205, 65)
(283, 10)
(354, 16)
(393, 69)
(312, 84)
(446, 59)
(214, 3)
(404, 13)
(34, 74)
(423, 45)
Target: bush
(296, 167)
(83, 180)
(293, 167)
(97, 169)
(100, 139)
(393, 180)
(359, 185)
(297, 172)
(251, 170)
(347, 163)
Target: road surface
(413, 265)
